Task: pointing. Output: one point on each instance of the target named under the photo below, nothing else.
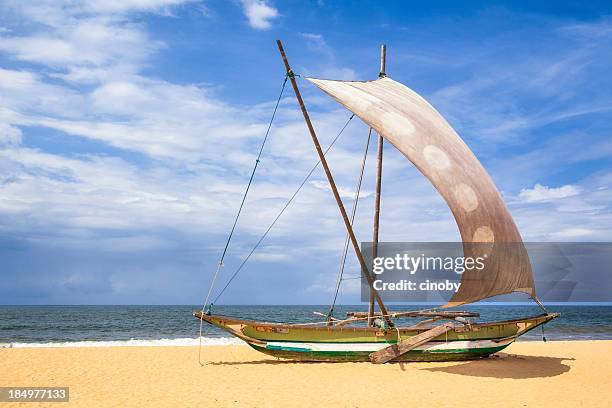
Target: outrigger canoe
(305, 342)
(405, 119)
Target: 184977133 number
(34, 394)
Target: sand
(532, 374)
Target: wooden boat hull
(348, 352)
(353, 343)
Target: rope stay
(347, 240)
(207, 307)
(265, 234)
(244, 196)
(246, 192)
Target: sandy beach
(560, 373)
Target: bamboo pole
(332, 184)
(383, 63)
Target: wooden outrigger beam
(417, 313)
(396, 350)
(347, 222)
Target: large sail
(417, 130)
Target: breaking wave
(182, 342)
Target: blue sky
(128, 130)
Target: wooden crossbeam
(396, 350)
(417, 313)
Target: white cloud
(197, 151)
(115, 6)
(326, 65)
(85, 51)
(584, 216)
(540, 193)
(344, 192)
(259, 13)
(59, 12)
(573, 233)
(80, 44)
(317, 43)
(9, 135)
(499, 95)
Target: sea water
(82, 326)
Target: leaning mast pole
(381, 74)
(332, 184)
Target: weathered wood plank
(396, 350)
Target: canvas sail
(417, 130)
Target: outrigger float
(403, 118)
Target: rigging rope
(246, 192)
(244, 196)
(347, 240)
(535, 298)
(281, 212)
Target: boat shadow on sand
(500, 365)
(505, 365)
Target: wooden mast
(381, 74)
(383, 61)
(332, 184)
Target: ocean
(82, 326)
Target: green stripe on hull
(414, 355)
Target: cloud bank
(118, 183)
